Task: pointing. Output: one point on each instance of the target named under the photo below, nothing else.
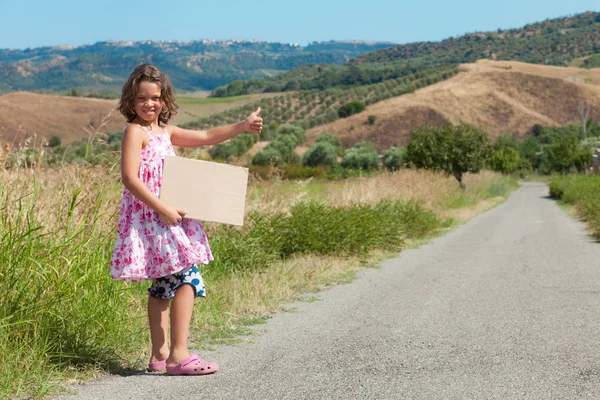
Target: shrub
(234, 147)
(295, 130)
(362, 156)
(393, 158)
(505, 160)
(320, 154)
(371, 119)
(348, 109)
(315, 228)
(267, 157)
(54, 141)
(326, 137)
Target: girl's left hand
(254, 122)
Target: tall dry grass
(60, 311)
(431, 189)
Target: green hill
(196, 65)
(551, 42)
(311, 108)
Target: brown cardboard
(208, 191)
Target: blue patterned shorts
(166, 286)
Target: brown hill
(24, 114)
(498, 96)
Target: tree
(505, 160)
(348, 109)
(455, 150)
(562, 152)
(267, 157)
(583, 109)
(393, 158)
(583, 159)
(320, 154)
(326, 137)
(362, 156)
(295, 130)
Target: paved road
(504, 307)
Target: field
(194, 108)
(40, 116)
(498, 96)
(62, 318)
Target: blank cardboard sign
(208, 191)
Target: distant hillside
(28, 115)
(552, 42)
(311, 108)
(497, 96)
(196, 65)
(24, 114)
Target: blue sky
(77, 22)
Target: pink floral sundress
(145, 247)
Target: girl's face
(148, 104)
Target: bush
(295, 130)
(348, 109)
(269, 156)
(320, 154)
(371, 119)
(393, 158)
(285, 144)
(326, 137)
(315, 228)
(362, 156)
(234, 147)
(583, 191)
(54, 141)
(505, 160)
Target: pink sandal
(193, 365)
(157, 366)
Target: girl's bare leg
(181, 314)
(158, 316)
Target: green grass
(582, 192)
(460, 201)
(61, 315)
(59, 310)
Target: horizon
(58, 23)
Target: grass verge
(61, 317)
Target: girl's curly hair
(147, 73)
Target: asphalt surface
(504, 307)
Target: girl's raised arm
(192, 138)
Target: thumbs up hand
(254, 122)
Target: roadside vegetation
(61, 317)
(583, 193)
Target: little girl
(154, 240)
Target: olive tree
(456, 150)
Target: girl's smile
(148, 103)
